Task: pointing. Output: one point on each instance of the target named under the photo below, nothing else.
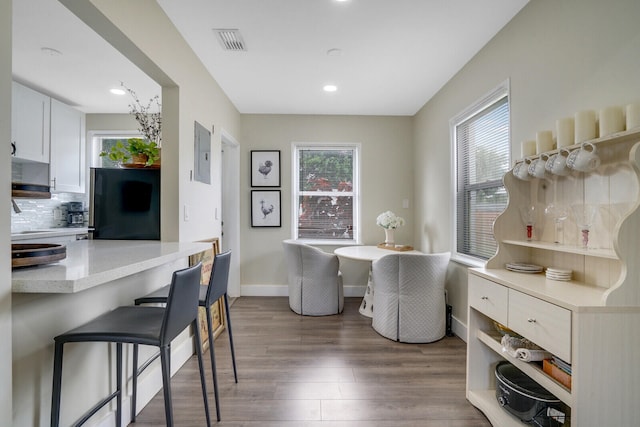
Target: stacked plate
(555, 273)
(521, 267)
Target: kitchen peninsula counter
(91, 263)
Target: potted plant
(136, 151)
(140, 151)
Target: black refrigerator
(124, 204)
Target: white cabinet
(30, 115)
(67, 169)
(592, 321)
(49, 140)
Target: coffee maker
(75, 214)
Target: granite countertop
(91, 263)
(47, 232)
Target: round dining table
(368, 253)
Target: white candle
(544, 141)
(564, 131)
(611, 121)
(528, 148)
(585, 126)
(633, 116)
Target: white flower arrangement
(389, 220)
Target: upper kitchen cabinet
(67, 168)
(30, 121)
(49, 141)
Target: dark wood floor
(332, 371)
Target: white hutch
(593, 321)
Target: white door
(231, 208)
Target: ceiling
(392, 57)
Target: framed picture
(265, 168)
(265, 208)
(217, 310)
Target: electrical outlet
(57, 213)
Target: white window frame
(295, 193)
(495, 95)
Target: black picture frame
(265, 168)
(266, 208)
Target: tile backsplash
(39, 214)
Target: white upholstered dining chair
(409, 300)
(315, 283)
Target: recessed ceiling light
(330, 88)
(117, 91)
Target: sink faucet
(16, 209)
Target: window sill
(468, 261)
(337, 243)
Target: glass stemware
(528, 215)
(559, 213)
(584, 216)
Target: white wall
(386, 179)
(561, 57)
(5, 218)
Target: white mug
(557, 163)
(536, 167)
(585, 159)
(521, 170)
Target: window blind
(326, 189)
(482, 147)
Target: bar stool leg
(233, 353)
(119, 384)
(165, 355)
(134, 382)
(213, 360)
(57, 385)
(203, 381)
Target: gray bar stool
(209, 294)
(156, 326)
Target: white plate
(559, 270)
(563, 278)
(516, 266)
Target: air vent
(230, 39)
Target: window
(481, 143)
(325, 192)
(103, 141)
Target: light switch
(405, 203)
(186, 213)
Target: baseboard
(459, 328)
(283, 291)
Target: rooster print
(266, 210)
(265, 168)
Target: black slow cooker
(527, 400)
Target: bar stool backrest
(182, 303)
(219, 279)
